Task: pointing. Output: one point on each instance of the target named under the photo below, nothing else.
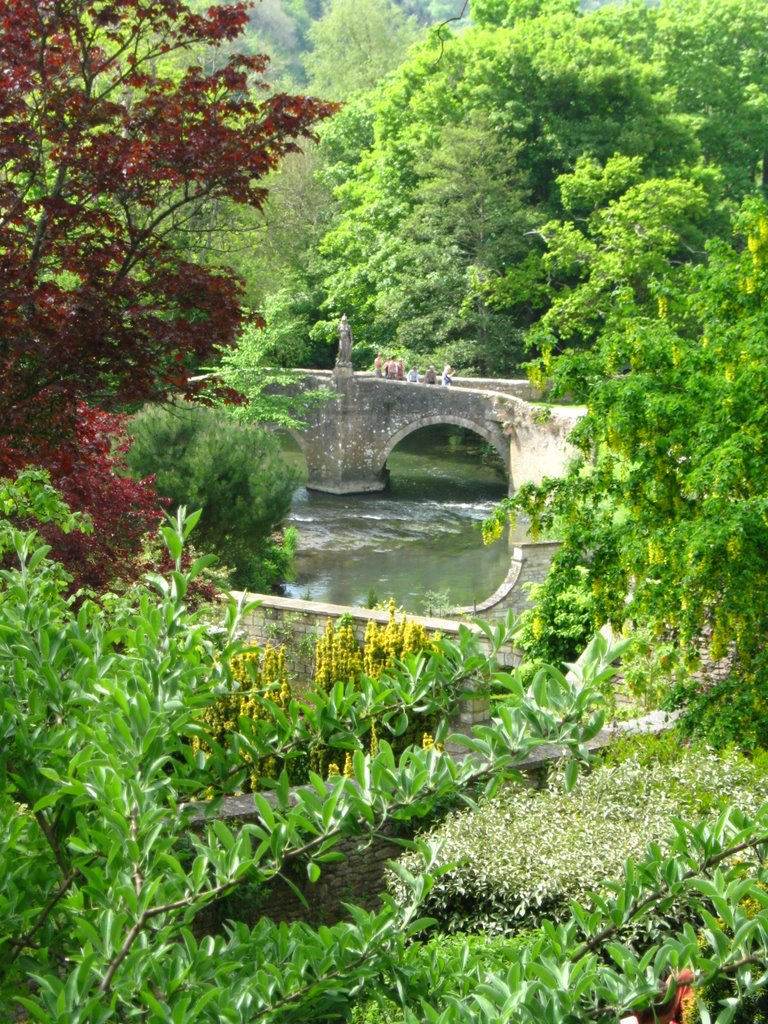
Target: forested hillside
(511, 181)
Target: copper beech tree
(112, 138)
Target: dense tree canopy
(634, 130)
(553, 91)
(547, 178)
(667, 506)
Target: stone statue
(344, 357)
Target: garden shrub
(235, 472)
(650, 749)
(750, 1009)
(559, 625)
(526, 855)
(495, 954)
(254, 671)
(651, 668)
(384, 645)
(339, 658)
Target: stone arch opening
(294, 445)
(494, 437)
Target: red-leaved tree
(91, 474)
(107, 148)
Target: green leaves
(109, 855)
(231, 471)
(667, 520)
(98, 706)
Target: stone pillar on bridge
(340, 447)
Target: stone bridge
(349, 438)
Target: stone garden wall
(297, 623)
(529, 564)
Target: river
(418, 541)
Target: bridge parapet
(519, 387)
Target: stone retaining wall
(530, 564)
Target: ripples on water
(421, 534)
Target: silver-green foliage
(526, 854)
(108, 855)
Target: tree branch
(707, 864)
(25, 939)
(442, 25)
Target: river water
(419, 541)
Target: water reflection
(421, 534)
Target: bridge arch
(298, 436)
(494, 437)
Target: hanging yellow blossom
(655, 553)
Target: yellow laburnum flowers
(257, 672)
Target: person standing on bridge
(413, 375)
(400, 370)
(447, 375)
(390, 368)
(378, 362)
(430, 377)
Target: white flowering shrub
(528, 854)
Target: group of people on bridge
(394, 369)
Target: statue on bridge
(344, 357)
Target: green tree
(551, 90)
(623, 230)
(711, 56)
(469, 219)
(668, 503)
(355, 44)
(507, 12)
(714, 54)
(233, 472)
